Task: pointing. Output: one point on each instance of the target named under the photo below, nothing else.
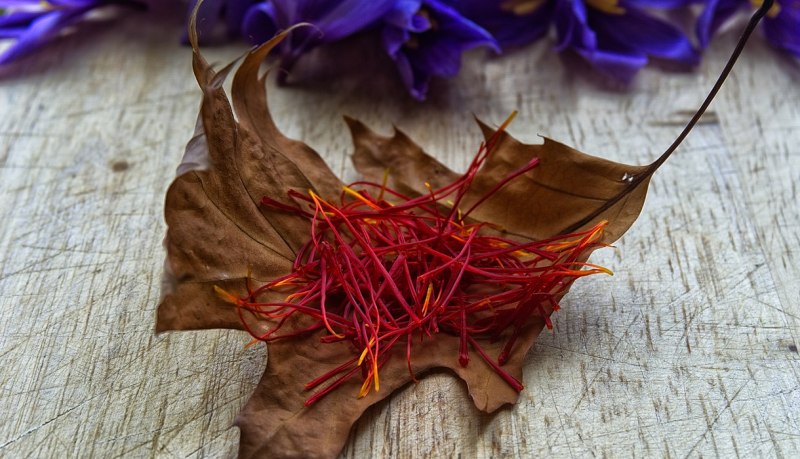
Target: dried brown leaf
(219, 235)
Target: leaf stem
(652, 167)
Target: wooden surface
(689, 350)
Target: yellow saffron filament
(774, 10)
(359, 196)
(508, 121)
(293, 296)
(375, 372)
(427, 299)
(372, 379)
(366, 350)
(607, 6)
(521, 7)
(315, 197)
(602, 269)
(285, 282)
(366, 385)
(319, 202)
(225, 295)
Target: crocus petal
(18, 19)
(12, 32)
(618, 43)
(259, 24)
(455, 29)
(351, 16)
(646, 34)
(39, 31)
(28, 5)
(783, 31)
(404, 16)
(436, 51)
(508, 28)
(716, 13)
(332, 20)
(571, 19)
(417, 85)
(70, 4)
(393, 39)
(50, 19)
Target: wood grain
(689, 350)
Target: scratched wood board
(690, 349)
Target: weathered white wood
(689, 350)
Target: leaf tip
(355, 126)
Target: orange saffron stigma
(382, 268)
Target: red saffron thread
(378, 271)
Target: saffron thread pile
(383, 271)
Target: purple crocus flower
(332, 20)
(781, 25)
(31, 23)
(616, 36)
(619, 36)
(426, 38)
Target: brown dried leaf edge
(218, 235)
